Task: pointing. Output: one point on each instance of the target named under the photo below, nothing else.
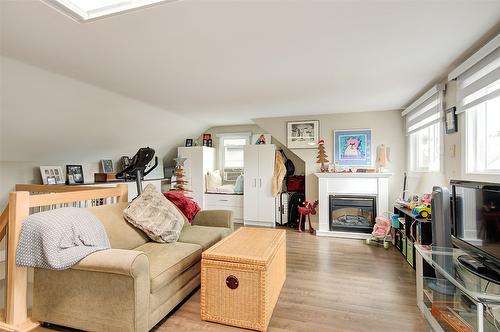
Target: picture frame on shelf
(76, 172)
(52, 171)
(107, 166)
(302, 134)
(189, 142)
(258, 139)
(125, 161)
(451, 120)
(51, 180)
(353, 147)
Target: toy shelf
(411, 230)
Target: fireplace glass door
(351, 213)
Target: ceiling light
(88, 10)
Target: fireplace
(352, 213)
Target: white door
(251, 183)
(267, 209)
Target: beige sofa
(132, 286)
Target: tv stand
(464, 296)
(480, 269)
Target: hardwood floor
(332, 285)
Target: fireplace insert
(352, 213)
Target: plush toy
(307, 210)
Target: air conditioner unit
(231, 174)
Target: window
(84, 10)
(425, 149)
(231, 149)
(479, 98)
(483, 137)
(424, 127)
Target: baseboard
(345, 235)
(259, 223)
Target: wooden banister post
(17, 277)
(124, 193)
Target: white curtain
(479, 83)
(425, 111)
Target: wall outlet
(451, 151)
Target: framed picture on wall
(52, 171)
(353, 147)
(451, 121)
(302, 134)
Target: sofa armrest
(118, 261)
(214, 218)
(108, 290)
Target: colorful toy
(307, 210)
(381, 232)
(422, 210)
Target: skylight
(86, 10)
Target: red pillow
(187, 206)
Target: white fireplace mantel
(376, 184)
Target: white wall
(387, 128)
(49, 119)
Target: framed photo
(125, 160)
(302, 134)
(51, 180)
(258, 139)
(353, 147)
(75, 172)
(107, 166)
(451, 120)
(52, 171)
(189, 142)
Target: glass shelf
(444, 261)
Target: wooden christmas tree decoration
(322, 156)
(180, 182)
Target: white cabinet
(258, 206)
(226, 202)
(199, 161)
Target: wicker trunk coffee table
(242, 277)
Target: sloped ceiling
(47, 117)
(227, 62)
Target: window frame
(413, 156)
(221, 158)
(470, 120)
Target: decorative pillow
(214, 180)
(185, 204)
(238, 186)
(154, 215)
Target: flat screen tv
(476, 226)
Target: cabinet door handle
(260, 182)
(223, 200)
(255, 183)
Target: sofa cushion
(203, 235)
(121, 234)
(155, 215)
(169, 260)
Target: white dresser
(230, 202)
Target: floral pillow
(154, 215)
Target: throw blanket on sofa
(60, 238)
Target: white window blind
(425, 111)
(479, 83)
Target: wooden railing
(26, 198)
